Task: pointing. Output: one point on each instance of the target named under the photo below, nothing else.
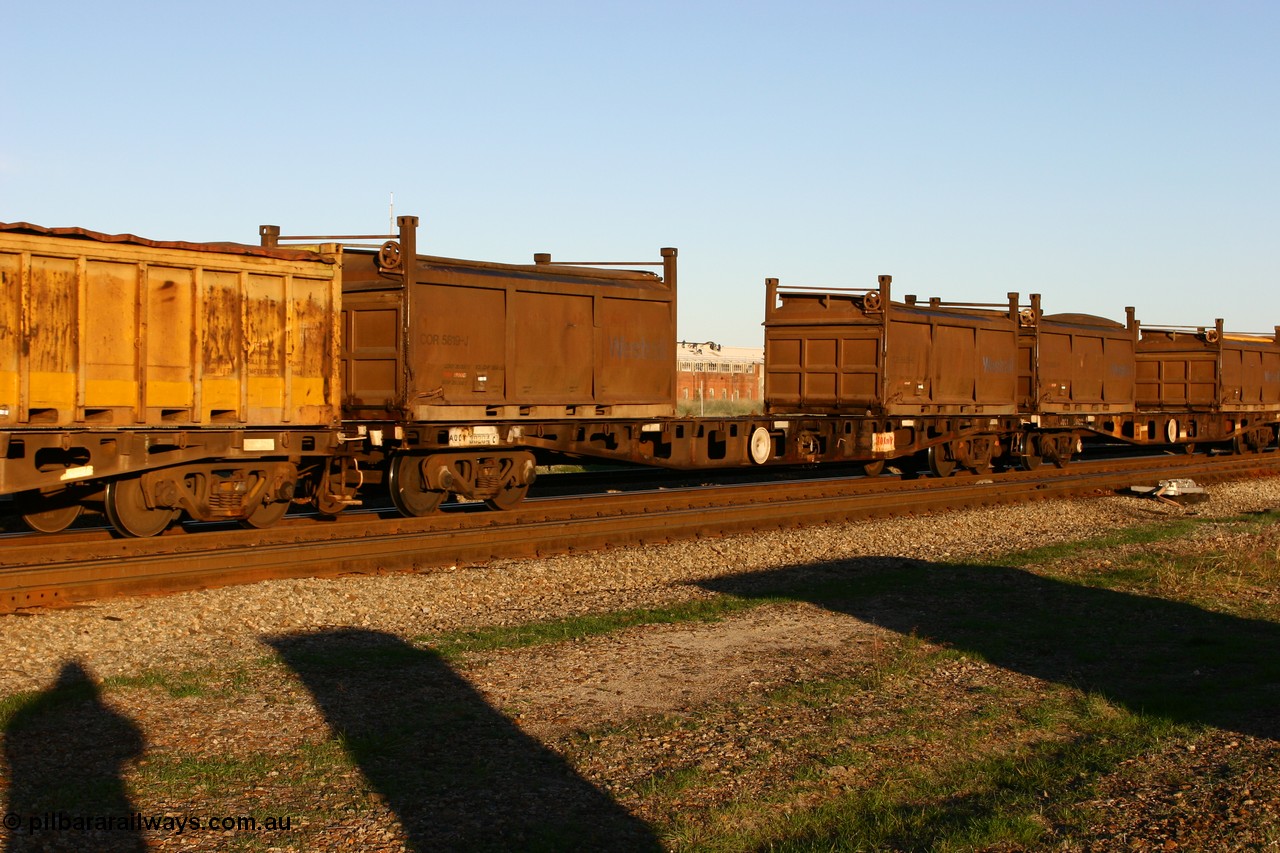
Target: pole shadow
(458, 774)
(1150, 655)
(65, 751)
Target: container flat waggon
(223, 381)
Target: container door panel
(554, 348)
(1087, 369)
(111, 348)
(1055, 367)
(1250, 386)
(1174, 385)
(311, 356)
(170, 310)
(860, 367)
(1271, 378)
(460, 344)
(10, 336)
(1027, 372)
(1202, 380)
(996, 383)
(907, 363)
(820, 371)
(52, 347)
(636, 359)
(782, 370)
(1149, 387)
(222, 347)
(954, 371)
(1118, 383)
(265, 333)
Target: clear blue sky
(1101, 153)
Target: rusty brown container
(855, 351)
(117, 331)
(505, 341)
(1206, 369)
(1071, 363)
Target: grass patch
(1010, 799)
(1144, 534)
(204, 682)
(453, 645)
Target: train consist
(228, 382)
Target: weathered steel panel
(1204, 369)
(636, 358)
(10, 336)
(854, 350)
(121, 331)
(555, 341)
(488, 340)
(1075, 363)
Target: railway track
(51, 571)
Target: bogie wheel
(266, 515)
(128, 512)
(52, 520)
(409, 492)
(507, 497)
(939, 464)
(873, 469)
(1029, 462)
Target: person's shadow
(458, 774)
(65, 751)
(1151, 655)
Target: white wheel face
(1171, 430)
(761, 446)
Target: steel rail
(37, 575)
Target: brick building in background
(708, 373)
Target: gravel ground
(131, 635)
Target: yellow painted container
(99, 330)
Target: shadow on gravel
(1150, 655)
(65, 751)
(458, 774)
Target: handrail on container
(1195, 330)
(910, 300)
(1219, 333)
(337, 237)
(544, 259)
(1001, 305)
(269, 235)
(813, 288)
(667, 263)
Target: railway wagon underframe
(421, 464)
(144, 478)
(948, 442)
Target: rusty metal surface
(437, 339)
(1207, 369)
(293, 254)
(1071, 363)
(855, 349)
(41, 574)
(129, 334)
